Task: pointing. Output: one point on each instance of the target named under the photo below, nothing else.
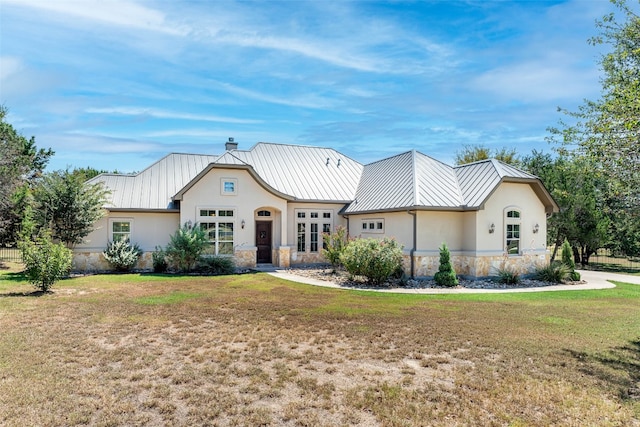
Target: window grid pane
(301, 237)
(314, 237)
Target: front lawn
(255, 350)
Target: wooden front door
(263, 242)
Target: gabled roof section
(304, 172)
(409, 180)
(153, 188)
(478, 180)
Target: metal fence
(606, 260)
(10, 254)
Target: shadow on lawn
(25, 294)
(620, 367)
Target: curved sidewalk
(594, 279)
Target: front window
(219, 227)
(121, 230)
(309, 224)
(512, 232)
(228, 186)
(373, 225)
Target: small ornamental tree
(186, 246)
(567, 260)
(446, 275)
(45, 262)
(334, 244)
(377, 260)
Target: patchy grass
(254, 350)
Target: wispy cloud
(164, 114)
(120, 13)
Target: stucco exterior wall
(148, 230)
(506, 197)
(248, 198)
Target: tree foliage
(581, 195)
(21, 164)
(68, 206)
(475, 153)
(607, 130)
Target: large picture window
(512, 232)
(219, 226)
(310, 223)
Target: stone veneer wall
(94, 261)
(477, 267)
(245, 257)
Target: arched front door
(263, 242)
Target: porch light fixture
(242, 224)
(492, 228)
(536, 228)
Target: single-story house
(270, 205)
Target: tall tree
(607, 130)
(21, 164)
(584, 217)
(475, 153)
(68, 206)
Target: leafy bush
(574, 276)
(446, 275)
(507, 276)
(374, 259)
(216, 265)
(556, 272)
(334, 244)
(45, 262)
(159, 260)
(121, 255)
(186, 246)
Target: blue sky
(120, 84)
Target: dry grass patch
(253, 350)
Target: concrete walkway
(594, 279)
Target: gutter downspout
(415, 241)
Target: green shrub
(446, 275)
(567, 255)
(507, 276)
(45, 262)
(574, 276)
(159, 260)
(186, 246)
(216, 265)
(334, 244)
(556, 272)
(374, 259)
(121, 255)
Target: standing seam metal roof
(405, 181)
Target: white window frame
(214, 218)
(223, 186)
(372, 225)
(513, 230)
(113, 221)
(309, 227)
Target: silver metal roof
(409, 180)
(479, 179)
(154, 187)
